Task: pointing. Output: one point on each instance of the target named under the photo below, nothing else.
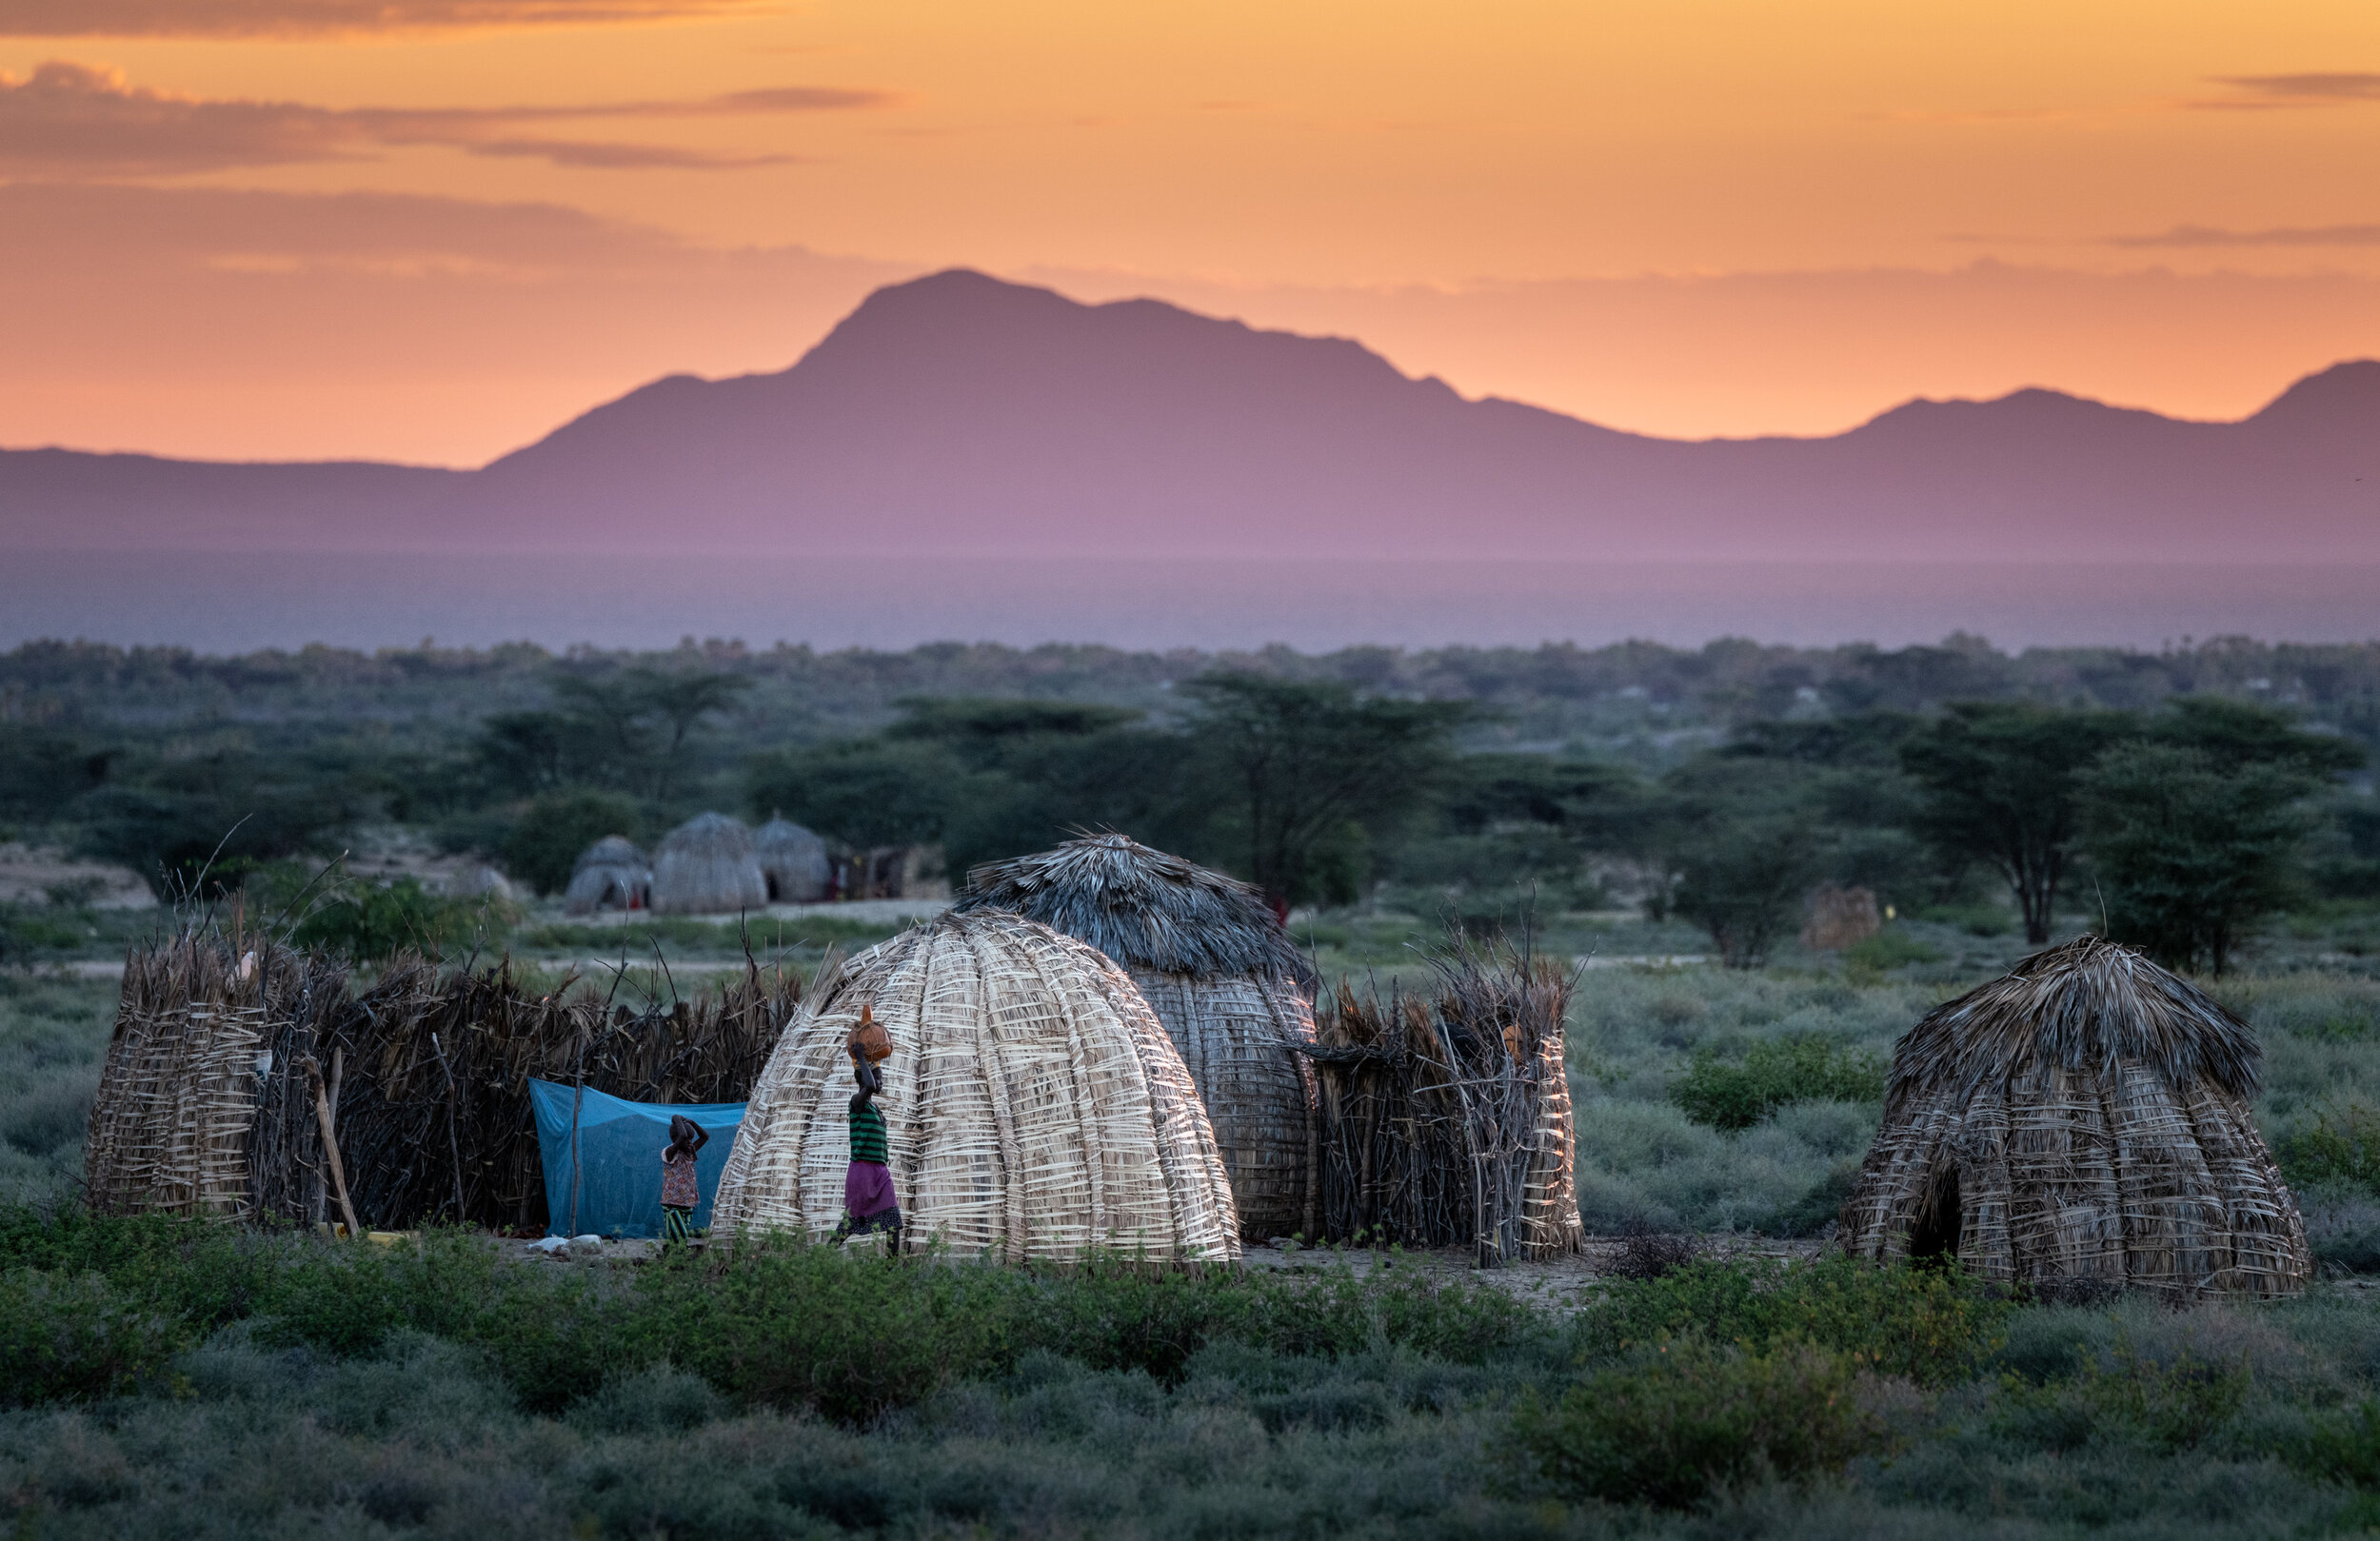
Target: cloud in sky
(2199, 236)
(2269, 93)
(77, 120)
(318, 18)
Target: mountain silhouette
(958, 414)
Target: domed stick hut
(706, 867)
(2081, 1125)
(1209, 956)
(1035, 1109)
(793, 862)
(609, 875)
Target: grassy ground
(273, 1389)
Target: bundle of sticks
(1446, 1111)
(249, 1080)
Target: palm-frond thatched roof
(1143, 908)
(610, 871)
(706, 867)
(2086, 1006)
(793, 860)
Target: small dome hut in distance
(2081, 1125)
(1209, 956)
(706, 867)
(1034, 1108)
(609, 875)
(793, 862)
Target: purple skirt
(867, 1189)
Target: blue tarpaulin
(619, 1158)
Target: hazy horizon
(232, 602)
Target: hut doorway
(1934, 1237)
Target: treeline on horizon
(2198, 788)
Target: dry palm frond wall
(2081, 1125)
(205, 1105)
(1446, 1113)
(1231, 991)
(1035, 1109)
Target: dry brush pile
(233, 1057)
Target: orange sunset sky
(432, 230)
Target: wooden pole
(331, 1147)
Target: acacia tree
(2002, 783)
(2192, 852)
(1743, 884)
(1311, 767)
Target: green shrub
(1890, 949)
(1818, 1208)
(1698, 1421)
(368, 922)
(1771, 1074)
(31, 931)
(543, 846)
(1983, 919)
(1928, 1325)
(75, 1336)
(2168, 1408)
(2343, 1447)
(2341, 1148)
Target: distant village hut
(793, 862)
(1035, 1109)
(1210, 956)
(706, 867)
(2081, 1125)
(609, 875)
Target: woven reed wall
(189, 1062)
(204, 1105)
(2080, 1182)
(2078, 1178)
(1240, 1038)
(1445, 1115)
(1036, 1109)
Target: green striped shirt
(867, 1134)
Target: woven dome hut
(1034, 1108)
(706, 867)
(793, 862)
(2081, 1125)
(1210, 956)
(609, 875)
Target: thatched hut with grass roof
(609, 875)
(793, 862)
(1034, 1108)
(2079, 1126)
(1211, 958)
(705, 866)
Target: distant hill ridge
(958, 413)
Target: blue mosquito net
(619, 1158)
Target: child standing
(869, 1203)
(680, 1193)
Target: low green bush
(1979, 919)
(1820, 1207)
(1772, 1074)
(1890, 948)
(1929, 1325)
(1696, 1422)
(2340, 1149)
(777, 1322)
(2342, 1447)
(76, 1338)
(2166, 1408)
